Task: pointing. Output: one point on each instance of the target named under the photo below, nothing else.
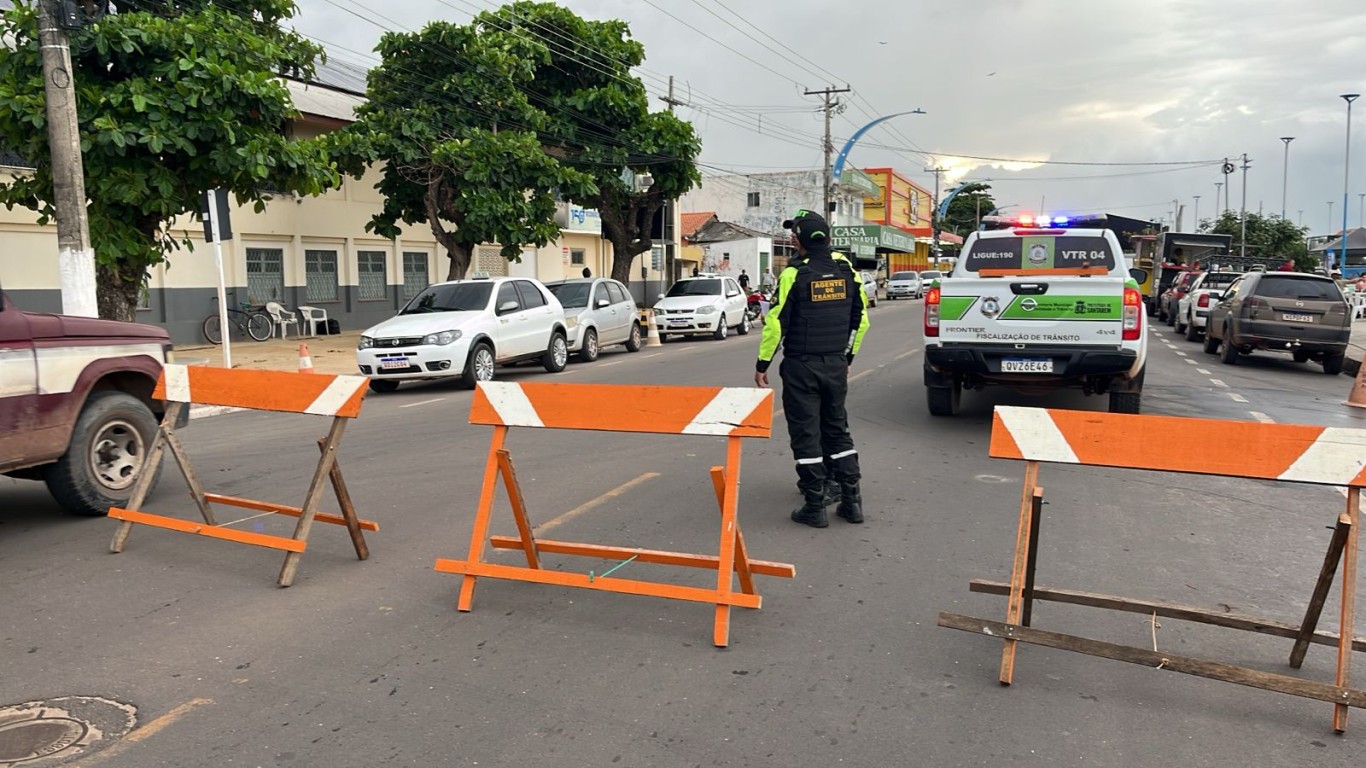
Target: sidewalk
(1356, 347)
(331, 354)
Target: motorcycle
(756, 304)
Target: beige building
(310, 251)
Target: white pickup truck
(1036, 304)
(1192, 311)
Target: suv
(597, 313)
(1305, 315)
(702, 305)
(1036, 306)
(464, 328)
(904, 284)
(76, 407)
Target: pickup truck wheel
(944, 401)
(1229, 352)
(1332, 364)
(1177, 325)
(1211, 343)
(1125, 402)
(1192, 332)
(108, 451)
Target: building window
(415, 274)
(752, 199)
(320, 276)
(657, 257)
(370, 273)
(144, 299)
(265, 275)
(576, 256)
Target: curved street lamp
(1346, 176)
(848, 145)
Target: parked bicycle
(249, 320)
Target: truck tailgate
(1020, 310)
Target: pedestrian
(694, 272)
(766, 282)
(587, 272)
(744, 281)
(819, 318)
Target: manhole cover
(49, 732)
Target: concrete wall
(780, 195)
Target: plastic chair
(311, 317)
(282, 317)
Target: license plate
(390, 363)
(1298, 318)
(678, 321)
(1026, 365)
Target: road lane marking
(906, 354)
(1237, 398)
(591, 503)
(150, 729)
(1262, 417)
(1179, 352)
(858, 376)
(609, 365)
(1192, 362)
(1203, 371)
(424, 402)
(1217, 383)
(657, 354)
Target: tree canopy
(175, 97)
(1269, 238)
(965, 209)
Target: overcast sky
(1098, 81)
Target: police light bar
(1041, 222)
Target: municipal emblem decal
(991, 306)
(1038, 254)
(1029, 305)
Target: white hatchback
(465, 328)
(598, 313)
(702, 305)
(905, 285)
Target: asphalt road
(369, 663)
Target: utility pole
(670, 100)
(1245, 166)
(1218, 190)
(830, 105)
(934, 209)
(666, 279)
(1228, 169)
(1285, 174)
(1196, 214)
(75, 257)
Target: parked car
(870, 287)
(597, 313)
(905, 285)
(1303, 314)
(1171, 298)
(466, 328)
(1192, 311)
(76, 407)
(928, 278)
(702, 305)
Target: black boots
(812, 513)
(851, 503)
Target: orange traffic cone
(1357, 399)
(305, 359)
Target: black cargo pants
(814, 387)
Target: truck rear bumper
(1068, 362)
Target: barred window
(320, 276)
(576, 256)
(265, 275)
(371, 274)
(415, 274)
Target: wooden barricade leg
(182, 460)
(1347, 624)
(481, 516)
(1035, 517)
(1021, 566)
(718, 481)
(725, 569)
(348, 508)
(144, 482)
(1321, 587)
(310, 505)
(518, 503)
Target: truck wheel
(1125, 402)
(1178, 326)
(1211, 343)
(1192, 332)
(1332, 364)
(944, 401)
(108, 451)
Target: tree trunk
(459, 254)
(117, 295)
(628, 236)
(456, 250)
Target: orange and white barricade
(338, 397)
(729, 412)
(1277, 452)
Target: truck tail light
(1133, 321)
(932, 312)
(1203, 301)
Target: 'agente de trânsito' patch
(828, 290)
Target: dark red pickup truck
(76, 407)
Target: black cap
(809, 227)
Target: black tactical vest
(818, 311)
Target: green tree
(175, 97)
(598, 120)
(449, 118)
(1270, 239)
(967, 207)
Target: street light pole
(1346, 177)
(1285, 173)
(1244, 214)
(1218, 188)
(1196, 214)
